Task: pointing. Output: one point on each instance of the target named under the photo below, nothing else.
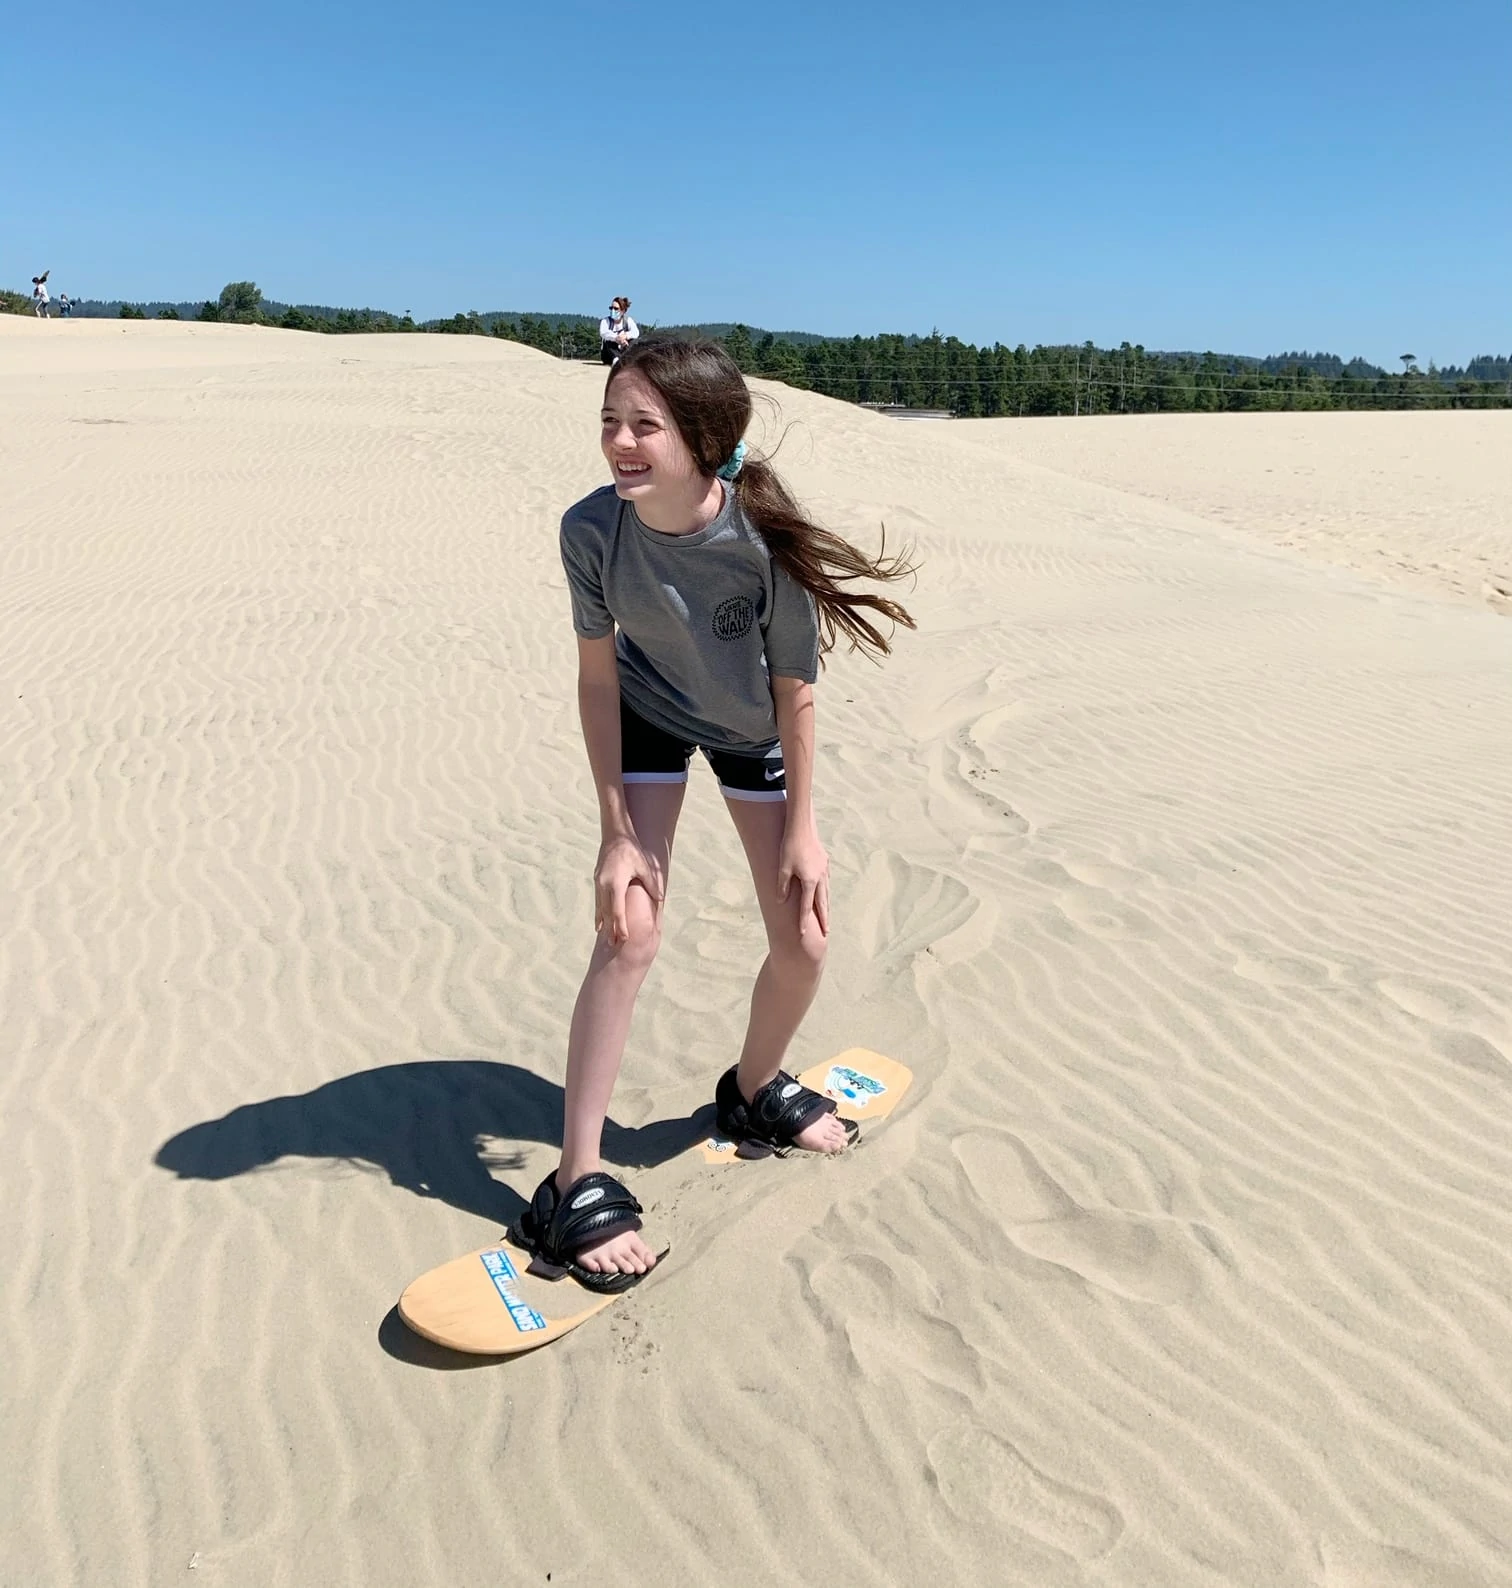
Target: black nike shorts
(647, 755)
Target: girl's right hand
(621, 863)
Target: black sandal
(555, 1228)
(771, 1121)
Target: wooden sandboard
(490, 1304)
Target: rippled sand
(1173, 860)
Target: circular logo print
(733, 618)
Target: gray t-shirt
(705, 620)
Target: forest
(934, 372)
(942, 372)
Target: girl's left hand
(804, 861)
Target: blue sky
(1242, 177)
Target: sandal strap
(593, 1208)
(775, 1115)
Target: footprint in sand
(1104, 874)
(1142, 1259)
(1356, 1563)
(911, 908)
(1258, 960)
(1435, 1001)
(1048, 873)
(1096, 914)
(989, 1485)
(889, 1330)
(1088, 905)
(1466, 1032)
(1471, 1052)
(959, 803)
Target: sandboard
(489, 1303)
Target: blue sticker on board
(857, 1089)
(505, 1276)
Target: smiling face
(650, 461)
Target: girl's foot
(590, 1229)
(625, 1253)
(826, 1134)
(782, 1116)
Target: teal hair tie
(736, 463)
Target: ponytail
(824, 563)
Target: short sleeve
(791, 630)
(583, 561)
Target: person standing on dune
(39, 295)
(703, 598)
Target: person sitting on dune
(616, 331)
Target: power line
(927, 379)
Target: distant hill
(574, 334)
(110, 309)
(718, 329)
(722, 328)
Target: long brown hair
(711, 406)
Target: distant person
(65, 306)
(616, 331)
(39, 295)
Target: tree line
(944, 373)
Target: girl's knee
(800, 955)
(643, 930)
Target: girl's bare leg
(789, 976)
(601, 1018)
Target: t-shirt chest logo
(733, 618)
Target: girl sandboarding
(703, 599)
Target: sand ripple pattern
(1175, 868)
(1419, 500)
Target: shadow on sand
(433, 1127)
(422, 1124)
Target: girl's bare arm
(599, 711)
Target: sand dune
(1422, 500)
(1172, 860)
